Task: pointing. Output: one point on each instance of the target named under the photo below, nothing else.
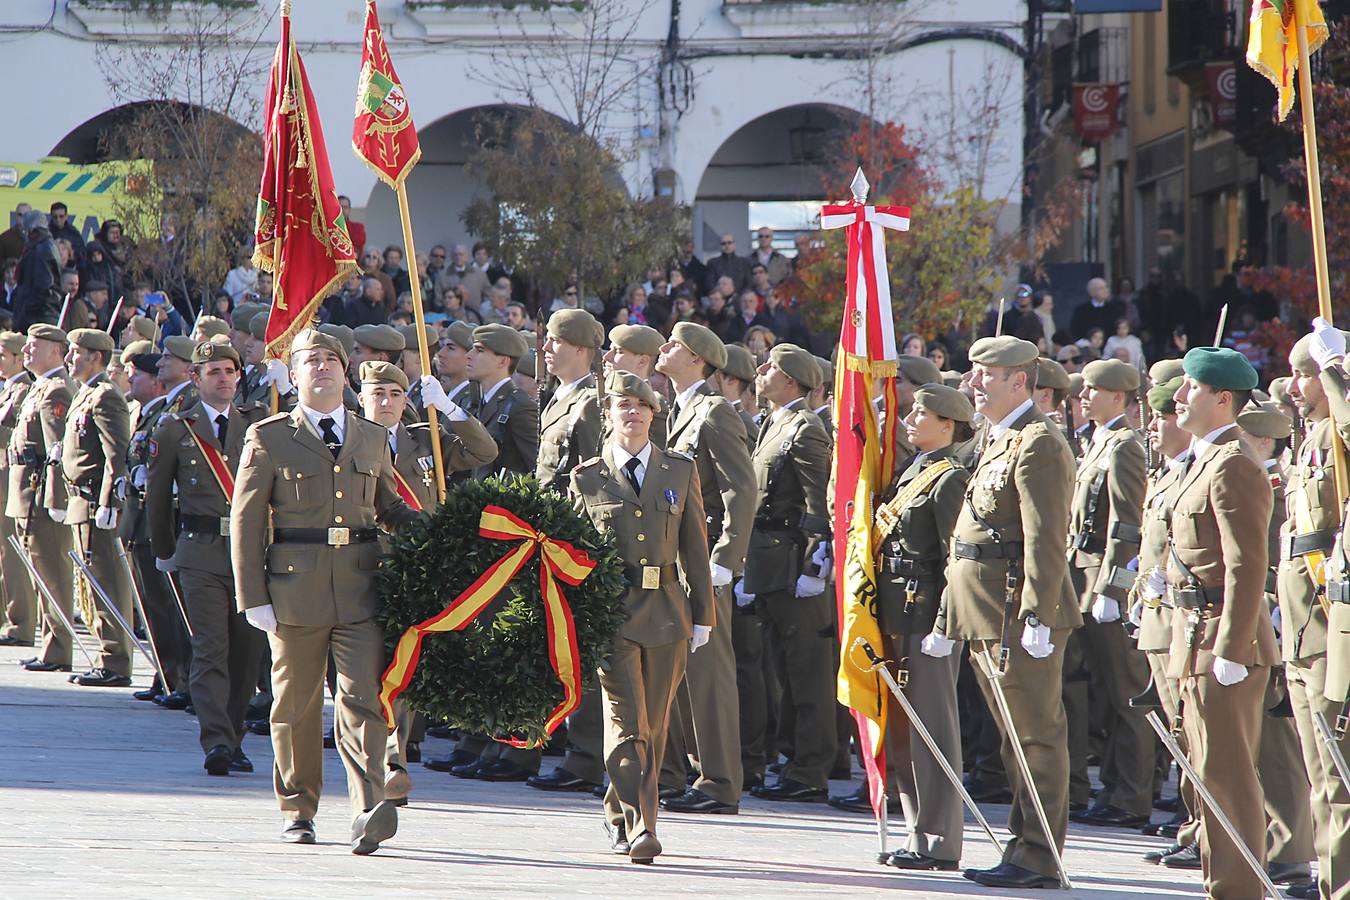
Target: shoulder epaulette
(589, 462)
(275, 417)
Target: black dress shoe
(299, 832)
(559, 780)
(502, 770)
(100, 677)
(1008, 875)
(413, 752)
(750, 782)
(843, 774)
(446, 763)
(239, 762)
(1169, 805)
(598, 792)
(1170, 830)
(618, 841)
(1287, 873)
(669, 793)
(908, 859)
(261, 727)
(177, 700)
(857, 802)
(37, 665)
(1306, 890)
(1156, 856)
(23, 663)
(155, 689)
(444, 732)
(695, 801)
(1109, 816)
(14, 642)
(787, 789)
(983, 792)
(218, 760)
(1187, 857)
(471, 768)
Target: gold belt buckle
(339, 537)
(651, 578)
(225, 526)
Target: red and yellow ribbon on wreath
(559, 561)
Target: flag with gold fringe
(383, 134)
(1272, 43)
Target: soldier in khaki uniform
(1008, 589)
(636, 491)
(324, 477)
(18, 612)
(194, 455)
(510, 415)
(1222, 640)
(93, 459)
(635, 349)
(255, 389)
(410, 361)
(452, 363)
(736, 382)
(569, 426)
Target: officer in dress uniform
(18, 611)
(255, 389)
(324, 477)
(569, 426)
(651, 501)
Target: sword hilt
(875, 662)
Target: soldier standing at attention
(452, 363)
(18, 612)
(510, 415)
(736, 382)
(325, 477)
(570, 424)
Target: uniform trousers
(747, 640)
(102, 558)
(585, 757)
(47, 543)
(1329, 796)
(1279, 763)
(1122, 672)
(164, 620)
(802, 631)
(1169, 693)
(226, 653)
(19, 614)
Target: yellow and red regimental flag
(1272, 43)
(383, 135)
(864, 458)
(300, 231)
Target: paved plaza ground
(104, 796)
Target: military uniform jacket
(41, 424)
(135, 528)
(1107, 511)
(1022, 488)
(792, 467)
(94, 448)
(511, 417)
(569, 432)
(710, 432)
(287, 471)
(663, 528)
(1155, 626)
(252, 393)
(750, 423)
(1310, 506)
(464, 445)
(11, 402)
(1335, 383)
(921, 538)
(1220, 523)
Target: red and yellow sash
(406, 492)
(216, 463)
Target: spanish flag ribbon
(559, 561)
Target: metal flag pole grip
(112, 609)
(52, 605)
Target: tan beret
(1164, 370)
(313, 339)
(797, 364)
(629, 385)
(384, 338)
(1279, 390)
(44, 332)
(409, 333)
(1300, 357)
(210, 326)
(1260, 396)
(501, 339)
(345, 336)
(577, 327)
(919, 369)
(740, 363)
(1265, 420)
(243, 315)
(377, 371)
(945, 401)
(1050, 374)
(180, 346)
(459, 333)
(143, 327)
(92, 339)
(12, 341)
(258, 327)
(1075, 384)
(826, 371)
(1111, 375)
(136, 348)
(952, 378)
(213, 351)
(527, 364)
(637, 339)
(702, 342)
(1003, 352)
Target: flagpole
(423, 353)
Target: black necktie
(327, 428)
(674, 411)
(630, 469)
(222, 428)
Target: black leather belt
(1272, 582)
(1293, 545)
(912, 568)
(1005, 550)
(650, 578)
(208, 524)
(1196, 598)
(333, 537)
(1338, 591)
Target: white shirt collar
(457, 390)
(996, 431)
(492, 391)
(1202, 446)
(777, 413)
(52, 373)
(176, 390)
(339, 417)
(1103, 432)
(393, 439)
(1270, 464)
(821, 409)
(688, 393)
(13, 378)
(212, 413)
(643, 456)
(564, 390)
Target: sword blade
(1333, 746)
(113, 610)
(52, 605)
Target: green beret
(1050, 374)
(1111, 375)
(136, 348)
(257, 329)
(1220, 368)
(945, 401)
(576, 327)
(629, 385)
(501, 339)
(345, 336)
(1160, 396)
(44, 332)
(1300, 357)
(213, 351)
(701, 342)
(459, 333)
(210, 326)
(637, 339)
(409, 333)
(180, 346)
(797, 364)
(740, 363)
(384, 338)
(826, 371)
(1265, 420)
(919, 369)
(243, 315)
(1165, 370)
(377, 371)
(314, 339)
(92, 339)
(12, 341)
(1004, 351)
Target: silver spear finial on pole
(859, 186)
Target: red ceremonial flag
(300, 231)
(383, 135)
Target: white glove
(810, 586)
(1137, 613)
(166, 565)
(58, 516)
(1227, 672)
(742, 598)
(701, 635)
(140, 477)
(1275, 620)
(263, 618)
(1155, 584)
(54, 452)
(937, 645)
(721, 576)
(434, 395)
(1036, 641)
(105, 518)
(822, 559)
(277, 374)
(1104, 609)
(1327, 344)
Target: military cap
(1050, 374)
(210, 326)
(1067, 353)
(1279, 390)
(629, 385)
(919, 369)
(377, 371)
(147, 362)
(213, 351)
(797, 364)
(1260, 396)
(1265, 420)
(826, 370)
(637, 339)
(952, 378)
(701, 341)
(1300, 357)
(740, 364)
(501, 339)
(1111, 375)
(144, 327)
(11, 341)
(1075, 384)
(257, 329)
(1165, 370)
(526, 364)
(135, 348)
(460, 333)
(409, 333)
(180, 346)
(1220, 368)
(945, 401)
(531, 339)
(44, 332)
(243, 314)
(345, 336)
(92, 339)
(1161, 394)
(1003, 351)
(380, 337)
(577, 327)
(313, 339)
(95, 285)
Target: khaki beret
(1260, 396)
(1165, 370)
(136, 348)
(1067, 353)
(1111, 375)
(1050, 374)
(257, 329)
(459, 333)
(1265, 420)
(531, 339)
(92, 339)
(213, 351)
(826, 371)
(919, 369)
(409, 333)
(945, 401)
(210, 326)
(629, 385)
(380, 337)
(1300, 357)
(1075, 384)
(701, 342)
(243, 315)
(144, 327)
(1221, 368)
(44, 332)
(1160, 396)
(313, 339)
(740, 363)
(1279, 390)
(637, 339)
(577, 327)
(12, 341)
(797, 364)
(501, 339)
(952, 378)
(1004, 351)
(345, 336)
(377, 371)
(180, 346)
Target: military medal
(671, 496)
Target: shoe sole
(720, 811)
(559, 789)
(303, 837)
(381, 824)
(217, 768)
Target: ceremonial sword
(51, 601)
(112, 608)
